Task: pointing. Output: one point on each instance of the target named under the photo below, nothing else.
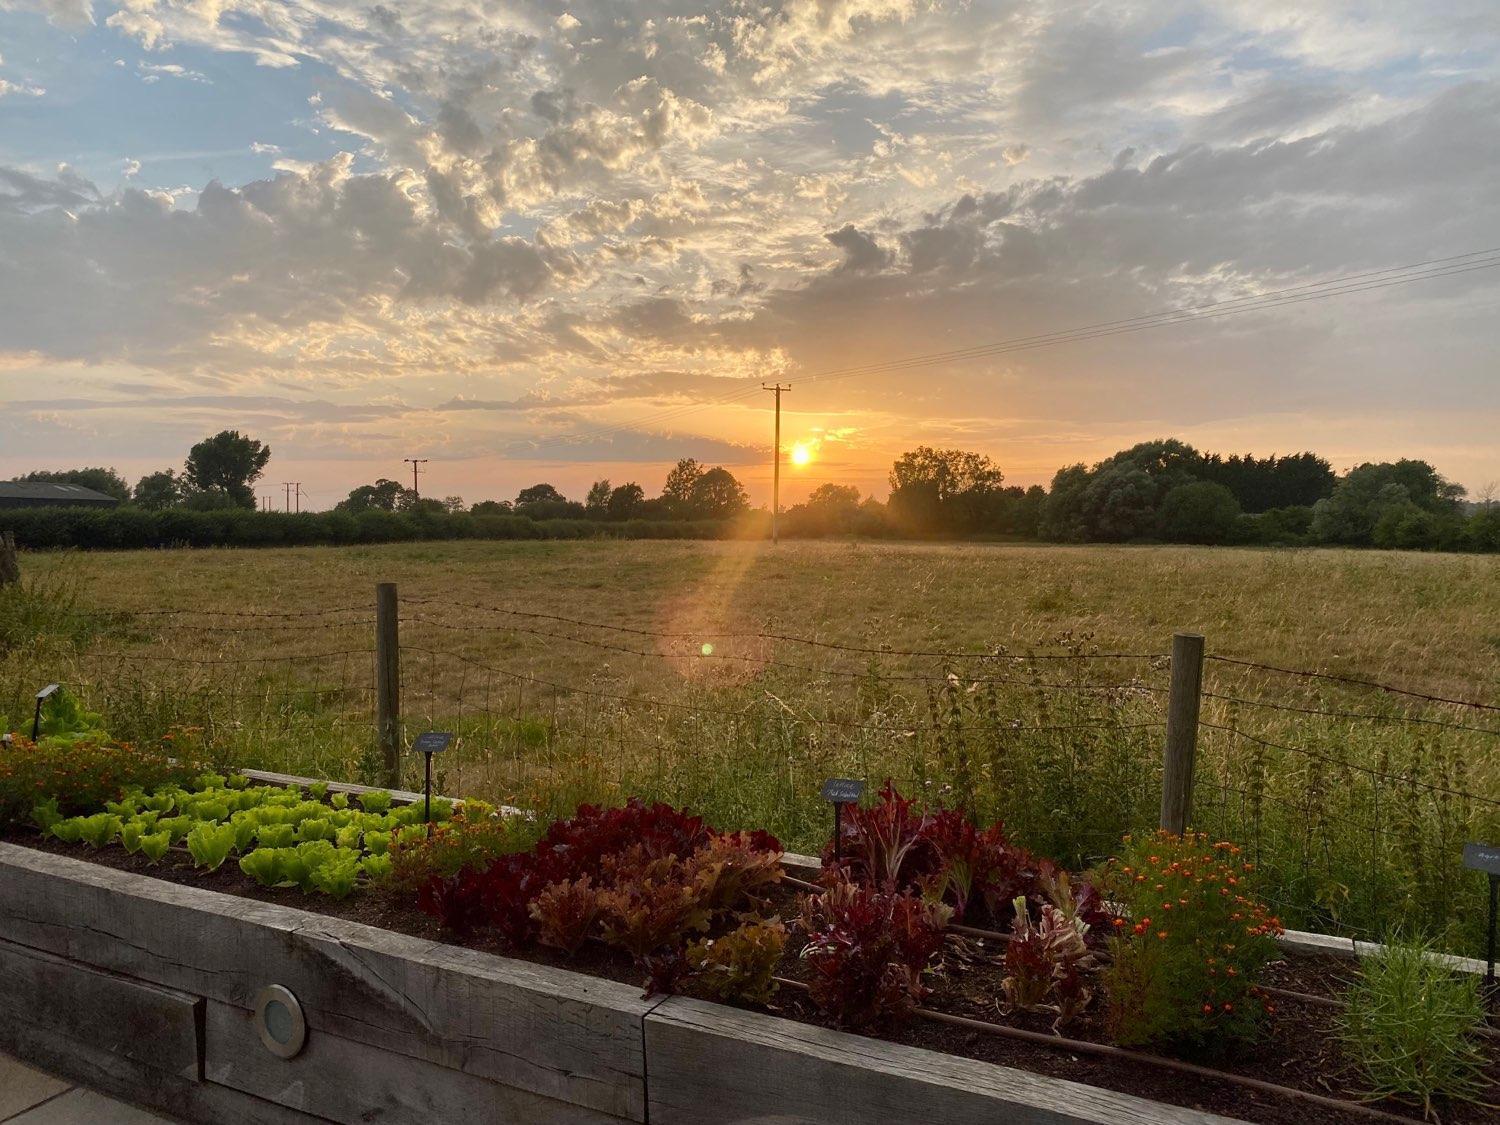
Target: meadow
(1027, 682)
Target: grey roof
(48, 490)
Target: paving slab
(22, 1087)
(85, 1107)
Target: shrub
(740, 965)
(1411, 1026)
(867, 950)
(81, 773)
(1191, 946)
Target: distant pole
(1182, 732)
(288, 486)
(776, 464)
(388, 682)
(297, 484)
(414, 462)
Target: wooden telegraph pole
(1182, 732)
(776, 464)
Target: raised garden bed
(143, 975)
(144, 986)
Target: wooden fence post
(1182, 732)
(388, 683)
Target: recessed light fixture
(279, 1019)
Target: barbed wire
(1365, 715)
(771, 662)
(745, 713)
(1341, 763)
(703, 635)
(1355, 680)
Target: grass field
(1358, 816)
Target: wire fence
(1354, 796)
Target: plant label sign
(843, 790)
(1482, 857)
(432, 742)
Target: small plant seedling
(315, 830)
(98, 830)
(69, 831)
(340, 800)
(336, 877)
(130, 836)
(154, 846)
(377, 867)
(45, 814)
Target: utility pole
(286, 484)
(414, 462)
(776, 463)
(298, 486)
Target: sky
(566, 241)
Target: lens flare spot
(707, 649)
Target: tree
(539, 493)
(383, 496)
(227, 463)
(102, 480)
(596, 503)
(625, 502)
(1367, 492)
(159, 490)
(945, 489)
(453, 504)
(677, 493)
(491, 508)
(831, 509)
(717, 495)
(1198, 512)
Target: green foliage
(130, 836)
(377, 868)
(107, 481)
(1198, 512)
(155, 845)
(98, 830)
(741, 965)
(263, 865)
(210, 845)
(276, 835)
(80, 771)
(1412, 1027)
(69, 831)
(315, 829)
(45, 814)
(336, 876)
(1190, 947)
(375, 801)
(227, 464)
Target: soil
(1300, 1047)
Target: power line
(415, 463)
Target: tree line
(1157, 491)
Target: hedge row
(128, 528)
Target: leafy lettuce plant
(69, 831)
(210, 845)
(377, 868)
(315, 830)
(375, 801)
(868, 949)
(263, 865)
(1048, 964)
(130, 836)
(336, 876)
(740, 965)
(276, 835)
(566, 913)
(155, 845)
(98, 830)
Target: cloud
(549, 209)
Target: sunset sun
(802, 453)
